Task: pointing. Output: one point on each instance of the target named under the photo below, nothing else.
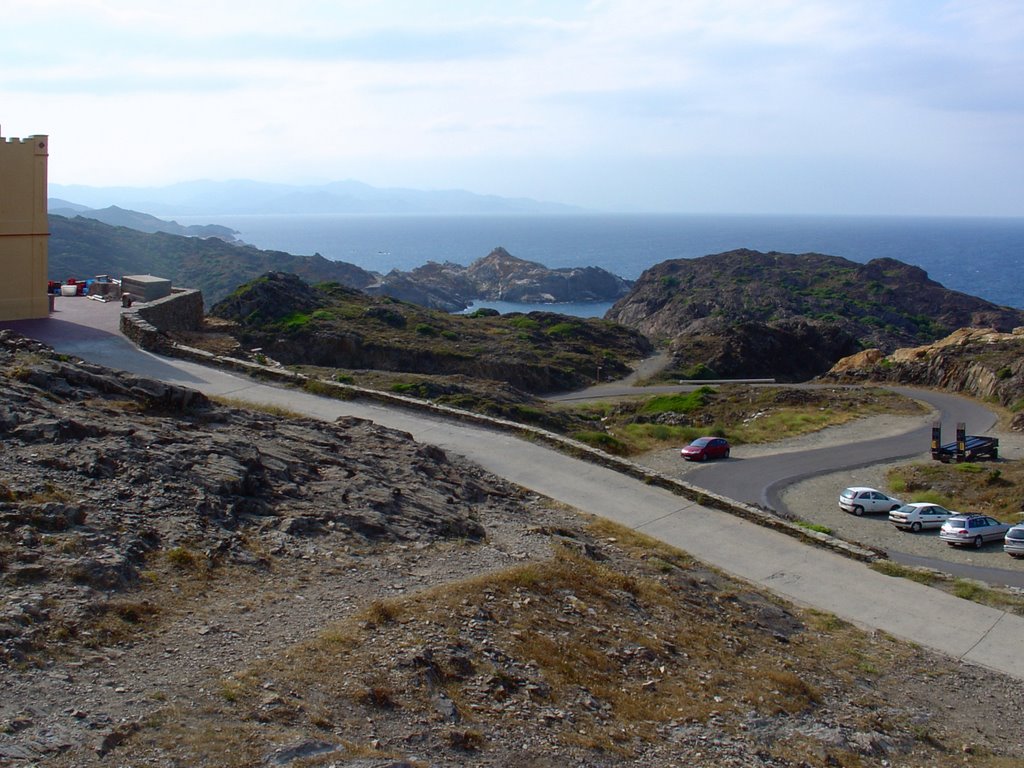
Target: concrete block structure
(24, 229)
(145, 287)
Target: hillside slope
(186, 583)
(82, 247)
(332, 326)
(747, 313)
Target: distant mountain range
(141, 222)
(239, 197)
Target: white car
(858, 500)
(961, 530)
(919, 514)
(1013, 542)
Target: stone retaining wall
(147, 323)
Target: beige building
(23, 228)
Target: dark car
(704, 448)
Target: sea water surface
(979, 256)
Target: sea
(979, 256)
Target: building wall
(23, 228)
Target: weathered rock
(104, 471)
(982, 362)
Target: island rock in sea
(499, 276)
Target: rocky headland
(499, 276)
(210, 261)
(792, 316)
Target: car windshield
(849, 493)
(907, 509)
(957, 523)
(1015, 533)
(700, 442)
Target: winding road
(805, 575)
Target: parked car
(919, 514)
(1013, 543)
(974, 530)
(858, 500)
(704, 448)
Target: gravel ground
(816, 499)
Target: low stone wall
(147, 323)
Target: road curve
(807, 576)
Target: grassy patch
(681, 403)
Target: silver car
(859, 499)
(919, 514)
(972, 530)
(1013, 544)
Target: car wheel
(915, 527)
(858, 510)
(726, 456)
(978, 541)
(703, 457)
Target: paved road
(807, 576)
(762, 480)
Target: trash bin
(126, 299)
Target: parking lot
(816, 501)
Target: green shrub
(682, 403)
(524, 323)
(563, 329)
(698, 372)
(425, 329)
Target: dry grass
(649, 639)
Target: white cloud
(492, 95)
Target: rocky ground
(185, 584)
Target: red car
(704, 448)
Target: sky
(903, 107)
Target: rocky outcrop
(981, 362)
(883, 304)
(101, 472)
(793, 350)
(499, 276)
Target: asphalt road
(760, 480)
(805, 575)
